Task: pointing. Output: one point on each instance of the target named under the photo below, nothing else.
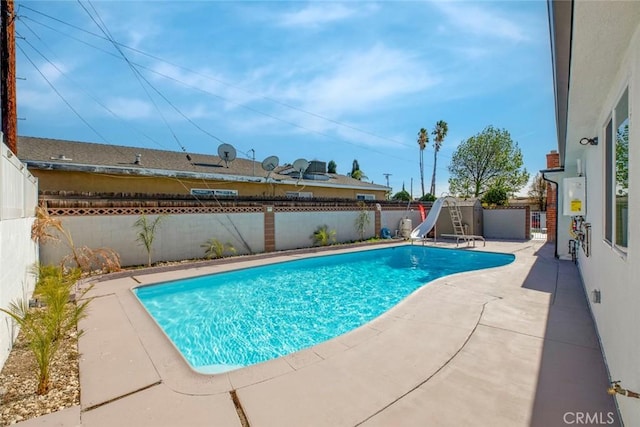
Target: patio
(509, 346)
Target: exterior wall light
(589, 141)
(595, 296)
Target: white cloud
(39, 100)
(130, 108)
(316, 14)
(480, 21)
(361, 81)
(52, 71)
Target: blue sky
(317, 80)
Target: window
(299, 194)
(365, 197)
(212, 192)
(617, 175)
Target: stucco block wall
(391, 219)
(18, 253)
(177, 237)
(505, 224)
(294, 229)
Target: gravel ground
(18, 381)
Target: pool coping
(126, 356)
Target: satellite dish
(270, 163)
(227, 153)
(300, 166)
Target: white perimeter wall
(616, 275)
(18, 253)
(391, 219)
(295, 229)
(178, 237)
(504, 223)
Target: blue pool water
(229, 320)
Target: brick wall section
(269, 229)
(527, 221)
(377, 223)
(553, 161)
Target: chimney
(553, 161)
(138, 159)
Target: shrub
(428, 198)
(48, 229)
(45, 327)
(323, 236)
(362, 220)
(495, 196)
(216, 249)
(147, 232)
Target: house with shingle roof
(81, 167)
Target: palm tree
(356, 173)
(147, 232)
(440, 132)
(423, 140)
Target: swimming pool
(229, 320)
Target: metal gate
(538, 221)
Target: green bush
(428, 198)
(362, 220)
(495, 196)
(402, 195)
(44, 327)
(323, 236)
(214, 248)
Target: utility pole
(8, 75)
(387, 175)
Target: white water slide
(430, 221)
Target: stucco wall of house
(55, 180)
(613, 272)
(18, 253)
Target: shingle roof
(60, 153)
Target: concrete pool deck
(507, 346)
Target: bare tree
(538, 192)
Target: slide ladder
(456, 217)
(459, 232)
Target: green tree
(490, 159)
(356, 173)
(147, 232)
(538, 192)
(428, 198)
(423, 140)
(402, 195)
(496, 196)
(440, 132)
(622, 160)
(362, 220)
(332, 167)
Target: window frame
(611, 214)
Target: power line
(139, 75)
(222, 82)
(94, 98)
(244, 106)
(62, 97)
